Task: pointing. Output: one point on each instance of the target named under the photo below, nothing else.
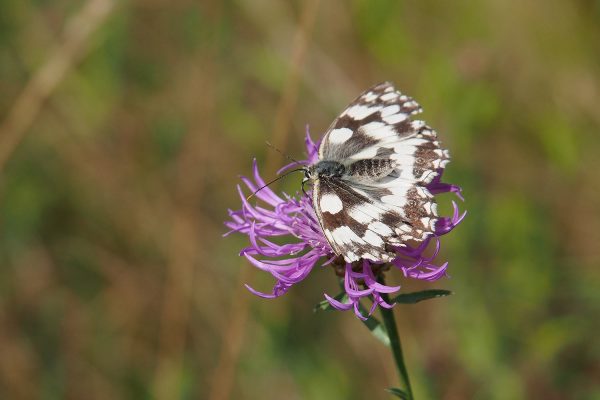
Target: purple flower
(294, 217)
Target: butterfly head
(328, 169)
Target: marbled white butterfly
(370, 183)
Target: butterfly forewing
(384, 203)
(380, 113)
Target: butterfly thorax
(328, 169)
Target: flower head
(293, 218)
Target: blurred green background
(124, 127)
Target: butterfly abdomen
(371, 168)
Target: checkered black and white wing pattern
(381, 201)
(352, 223)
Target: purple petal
(260, 294)
(337, 304)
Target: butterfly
(369, 185)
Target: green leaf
(325, 306)
(398, 393)
(377, 328)
(415, 297)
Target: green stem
(390, 325)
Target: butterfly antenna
(282, 153)
(273, 181)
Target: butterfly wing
(379, 113)
(349, 222)
(368, 221)
(379, 211)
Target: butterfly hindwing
(350, 222)
(414, 205)
(362, 221)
